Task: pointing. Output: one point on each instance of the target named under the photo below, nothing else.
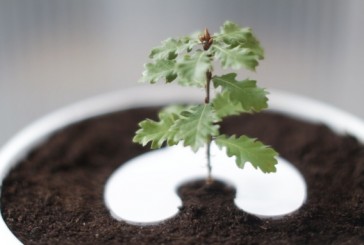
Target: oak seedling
(189, 61)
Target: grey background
(53, 53)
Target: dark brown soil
(55, 195)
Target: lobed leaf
(167, 50)
(161, 69)
(233, 35)
(191, 70)
(246, 93)
(234, 41)
(170, 48)
(246, 149)
(197, 125)
(157, 133)
(224, 106)
(189, 42)
(235, 58)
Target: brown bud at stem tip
(207, 35)
(206, 39)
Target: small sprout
(183, 61)
(206, 40)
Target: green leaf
(161, 69)
(235, 58)
(158, 132)
(246, 93)
(237, 47)
(224, 106)
(189, 42)
(250, 150)
(167, 50)
(170, 48)
(196, 126)
(233, 35)
(191, 70)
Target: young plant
(189, 62)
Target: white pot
(33, 135)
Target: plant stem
(207, 41)
(209, 139)
(208, 82)
(208, 155)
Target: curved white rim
(25, 140)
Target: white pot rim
(284, 102)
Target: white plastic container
(285, 103)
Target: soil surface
(55, 195)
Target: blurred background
(53, 53)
